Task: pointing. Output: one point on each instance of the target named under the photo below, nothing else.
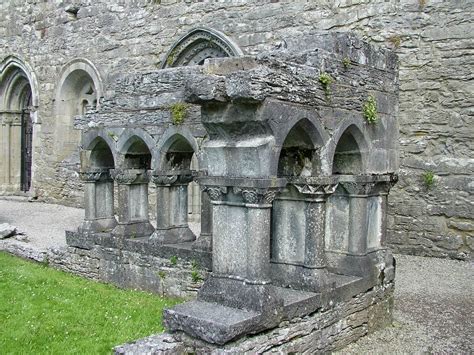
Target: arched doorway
(16, 133)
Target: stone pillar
(98, 202)
(241, 247)
(133, 221)
(204, 242)
(358, 193)
(172, 207)
(298, 245)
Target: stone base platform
(327, 329)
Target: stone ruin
(294, 184)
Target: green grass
(48, 311)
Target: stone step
(210, 321)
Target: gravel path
(43, 224)
(434, 310)
(434, 298)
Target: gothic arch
(79, 90)
(197, 45)
(349, 150)
(18, 102)
(299, 151)
(11, 67)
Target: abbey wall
(59, 59)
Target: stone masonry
(433, 39)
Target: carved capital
(358, 188)
(94, 176)
(256, 195)
(165, 180)
(316, 189)
(216, 193)
(130, 176)
(168, 178)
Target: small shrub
(346, 62)
(195, 276)
(194, 265)
(325, 80)
(161, 274)
(113, 136)
(428, 179)
(174, 260)
(370, 110)
(178, 112)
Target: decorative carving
(168, 180)
(216, 193)
(164, 179)
(198, 45)
(94, 176)
(255, 195)
(358, 188)
(315, 189)
(130, 176)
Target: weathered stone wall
(433, 39)
(165, 271)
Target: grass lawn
(48, 311)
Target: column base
(173, 235)
(204, 242)
(133, 229)
(99, 225)
(303, 278)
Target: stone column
(204, 242)
(241, 247)
(133, 221)
(358, 193)
(172, 207)
(299, 259)
(98, 202)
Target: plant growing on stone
(325, 80)
(428, 179)
(162, 275)
(396, 41)
(346, 62)
(369, 110)
(195, 276)
(178, 112)
(174, 260)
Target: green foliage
(195, 276)
(346, 62)
(178, 112)
(428, 178)
(396, 41)
(325, 80)
(369, 110)
(161, 274)
(113, 136)
(174, 260)
(170, 59)
(45, 311)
